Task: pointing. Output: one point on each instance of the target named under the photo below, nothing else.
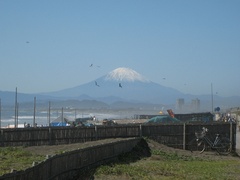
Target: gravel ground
(55, 149)
(51, 150)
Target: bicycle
(222, 145)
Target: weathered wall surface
(174, 135)
(67, 164)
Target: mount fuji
(122, 84)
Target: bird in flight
(96, 84)
(91, 65)
(120, 85)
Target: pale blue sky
(48, 45)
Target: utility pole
(62, 116)
(17, 114)
(212, 95)
(0, 113)
(34, 113)
(16, 109)
(75, 114)
(49, 109)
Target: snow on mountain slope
(125, 74)
(123, 83)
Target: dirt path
(56, 149)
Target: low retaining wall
(66, 165)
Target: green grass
(16, 158)
(162, 165)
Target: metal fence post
(2, 138)
(231, 134)
(184, 136)
(96, 136)
(140, 130)
(50, 136)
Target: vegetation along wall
(66, 165)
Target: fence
(69, 164)
(66, 165)
(174, 135)
(178, 136)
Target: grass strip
(16, 158)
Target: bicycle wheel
(197, 145)
(224, 146)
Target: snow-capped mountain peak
(125, 74)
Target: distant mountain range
(122, 86)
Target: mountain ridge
(122, 85)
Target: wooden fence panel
(175, 135)
(223, 129)
(171, 134)
(26, 136)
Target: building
(195, 105)
(180, 105)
